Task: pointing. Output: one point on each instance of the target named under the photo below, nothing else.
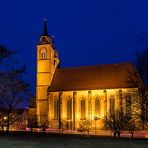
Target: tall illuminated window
(112, 105)
(128, 104)
(69, 109)
(56, 109)
(83, 110)
(97, 106)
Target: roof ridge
(98, 65)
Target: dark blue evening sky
(87, 32)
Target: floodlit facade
(69, 96)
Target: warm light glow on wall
(78, 116)
(43, 66)
(43, 79)
(101, 114)
(64, 116)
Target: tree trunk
(143, 124)
(132, 135)
(2, 124)
(8, 123)
(88, 133)
(118, 134)
(114, 134)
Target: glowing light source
(5, 118)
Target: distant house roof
(91, 77)
(19, 111)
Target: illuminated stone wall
(45, 72)
(89, 96)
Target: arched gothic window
(43, 53)
(83, 110)
(97, 106)
(69, 108)
(128, 104)
(56, 109)
(112, 105)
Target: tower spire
(45, 37)
(45, 27)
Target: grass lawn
(44, 140)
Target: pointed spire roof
(45, 31)
(45, 37)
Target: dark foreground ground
(49, 140)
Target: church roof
(105, 76)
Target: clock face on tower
(44, 39)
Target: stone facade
(91, 110)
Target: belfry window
(69, 109)
(83, 109)
(97, 106)
(112, 105)
(43, 55)
(56, 109)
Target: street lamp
(95, 119)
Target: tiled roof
(91, 77)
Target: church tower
(47, 62)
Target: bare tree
(115, 122)
(137, 79)
(130, 125)
(13, 89)
(142, 67)
(6, 53)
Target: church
(71, 96)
